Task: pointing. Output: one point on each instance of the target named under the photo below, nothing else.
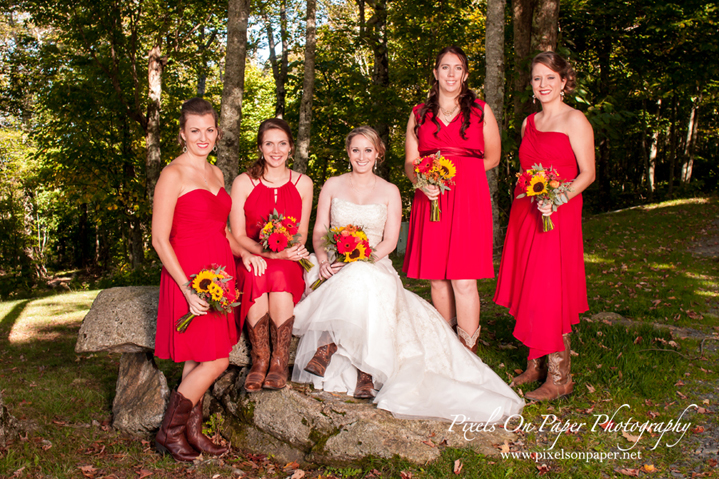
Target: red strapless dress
(280, 275)
(198, 238)
(460, 245)
(541, 277)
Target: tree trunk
(137, 250)
(673, 148)
(153, 164)
(546, 25)
(228, 155)
(308, 86)
(522, 20)
(279, 69)
(691, 140)
(494, 94)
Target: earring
(215, 148)
(374, 168)
(561, 93)
(184, 149)
(534, 100)
(349, 166)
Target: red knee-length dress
(460, 245)
(281, 275)
(198, 239)
(541, 277)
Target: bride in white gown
(363, 319)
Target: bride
(363, 332)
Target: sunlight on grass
(595, 259)
(684, 201)
(49, 318)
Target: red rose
(277, 242)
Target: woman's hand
(545, 207)
(252, 261)
(295, 253)
(197, 305)
(329, 269)
(431, 192)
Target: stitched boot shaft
(259, 337)
(364, 387)
(536, 371)
(469, 342)
(194, 433)
(281, 338)
(172, 438)
(319, 362)
(559, 380)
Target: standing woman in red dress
(541, 278)
(457, 250)
(268, 300)
(189, 232)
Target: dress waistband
(454, 151)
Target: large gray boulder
(141, 395)
(300, 424)
(8, 424)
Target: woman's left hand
(297, 253)
(252, 261)
(545, 207)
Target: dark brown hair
(199, 107)
(466, 96)
(372, 135)
(556, 63)
(257, 169)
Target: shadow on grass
(8, 321)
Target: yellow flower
(361, 235)
(267, 228)
(215, 291)
(447, 168)
(537, 186)
(359, 253)
(202, 281)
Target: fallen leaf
(573, 353)
(518, 371)
(458, 466)
(628, 472)
(291, 465)
(629, 437)
(298, 474)
(713, 462)
(88, 471)
(607, 425)
(698, 430)
(504, 447)
(648, 468)
(428, 443)
(681, 395)
(543, 469)
(638, 340)
(679, 383)
(142, 473)
(702, 410)
(405, 475)
(706, 401)
(673, 344)
(590, 387)
(18, 473)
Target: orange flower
(554, 184)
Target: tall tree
(494, 92)
(228, 155)
(308, 85)
(279, 67)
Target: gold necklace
(448, 116)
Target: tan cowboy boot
(559, 380)
(259, 336)
(469, 342)
(281, 337)
(536, 371)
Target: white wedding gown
(416, 361)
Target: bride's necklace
(374, 183)
(448, 116)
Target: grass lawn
(652, 265)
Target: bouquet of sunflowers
(213, 285)
(349, 244)
(434, 170)
(546, 185)
(281, 232)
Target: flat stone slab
(299, 423)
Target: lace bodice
(371, 217)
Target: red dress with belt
(460, 245)
(281, 275)
(541, 277)
(198, 239)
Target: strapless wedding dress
(416, 361)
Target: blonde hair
(372, 135)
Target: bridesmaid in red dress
(189, 232)
(541, 278)
(456, 251)
(268, 300)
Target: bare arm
(306, 190)
(411, 153)
(322, 223)
(581, 137)
(492, 140)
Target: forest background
(91, 91)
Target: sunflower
(359, 253)
(537, 186)
(447, 168)
(203, 280)
(215, 291)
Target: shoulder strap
(251, 180)
(298, 178)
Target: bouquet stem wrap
(547, 224)
(435, 212)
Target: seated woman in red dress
(457, 250)
(546, 301)
(189, 232)
(268, 300)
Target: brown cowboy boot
(469, 342)
(172, 438)
(536, 371)
(194, 433)
(559, 380)
(319, 362)
(281, 338)
(259, 337)
(364, 387)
